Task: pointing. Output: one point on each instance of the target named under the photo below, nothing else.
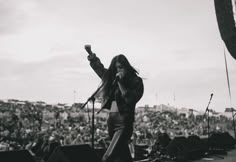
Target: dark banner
(226, 24)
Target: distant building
(184, 112)
(229, 112)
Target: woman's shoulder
(136, 79)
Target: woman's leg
(120, 132)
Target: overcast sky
(174, 44)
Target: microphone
(115, 80)
(87, 47)
(211, 94)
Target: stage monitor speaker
(179, 148)
(226, 24)
(221, 141)
(16, 156)
(197, 147)
(229, 140)
(164, 139)
(74, 153)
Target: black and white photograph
(117, 80)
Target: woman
(122, 89)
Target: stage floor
(230, 157)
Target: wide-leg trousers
(120, 130)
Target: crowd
(42, 127)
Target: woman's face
(120, 69)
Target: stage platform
(230, 157)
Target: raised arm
(95, 62)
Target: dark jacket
(134, 91)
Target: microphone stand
(208, 128)
(208, 121)
(92, 98)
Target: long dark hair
(110, 74)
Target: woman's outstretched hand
(91, 55)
